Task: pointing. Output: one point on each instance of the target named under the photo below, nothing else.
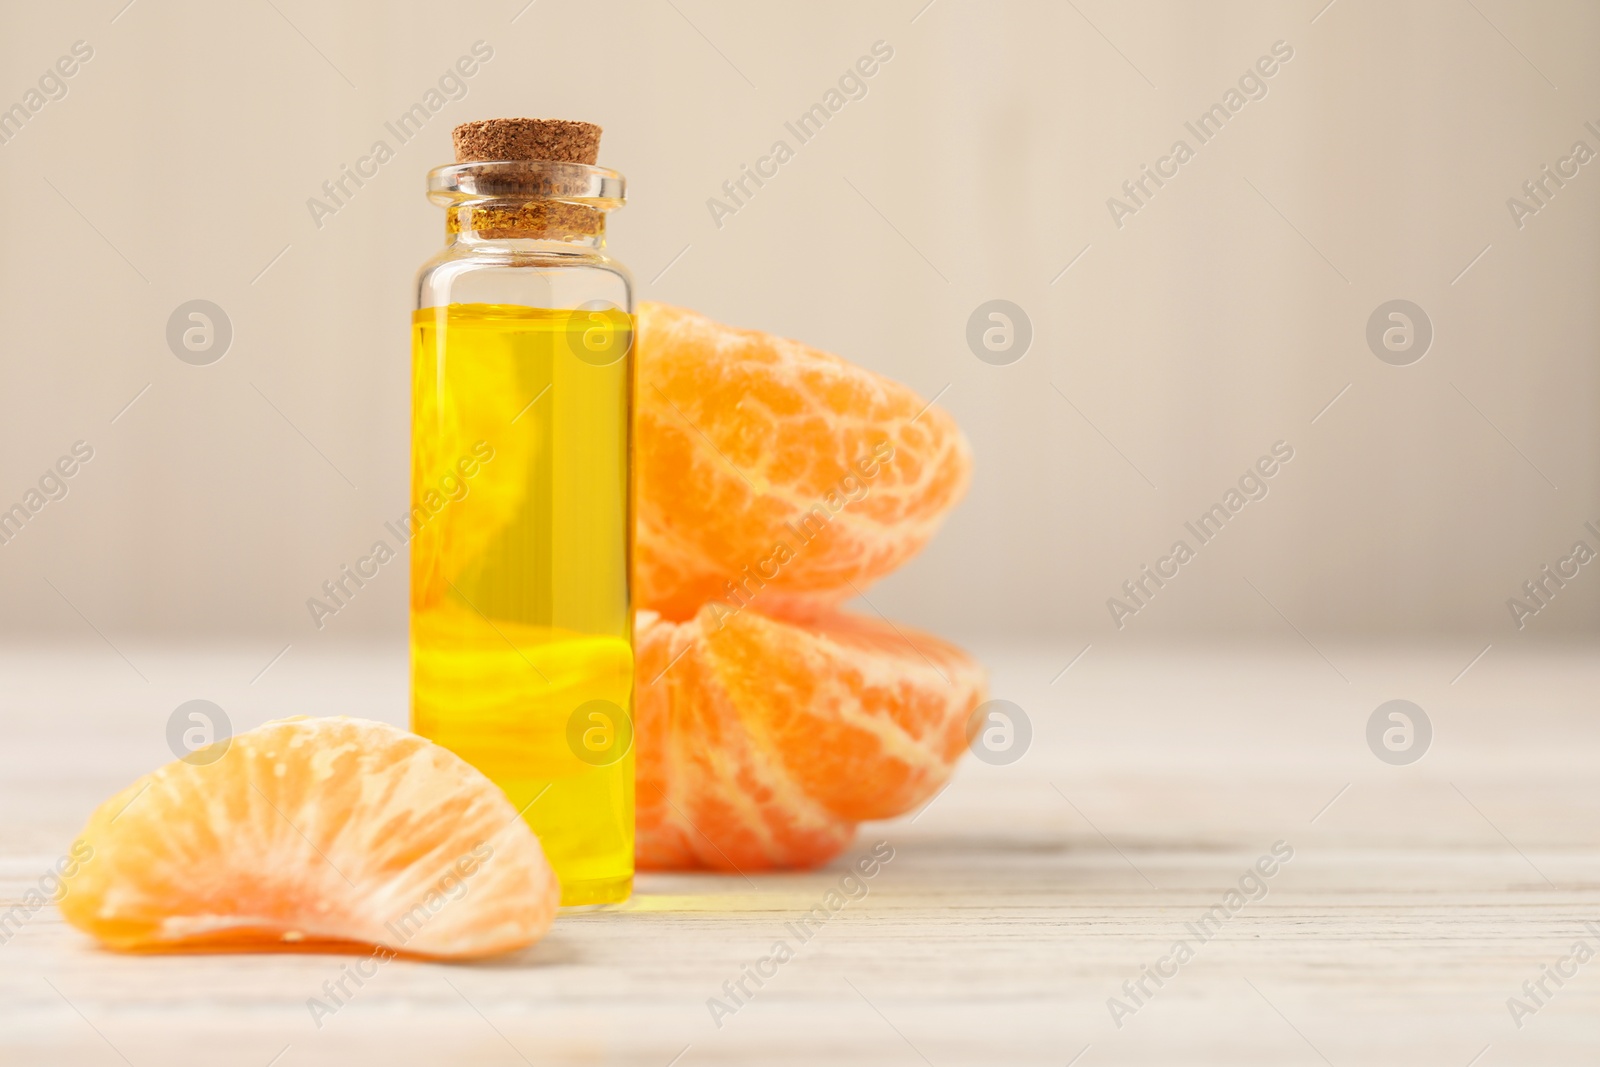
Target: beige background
(1221, 318)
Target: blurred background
(1357, 153)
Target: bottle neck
(554, 225)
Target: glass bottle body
(521, 616)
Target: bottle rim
(572, 183)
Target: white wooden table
(1419, 898)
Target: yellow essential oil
(521, 622)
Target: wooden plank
(1015, 906)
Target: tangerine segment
(763, 742)
(510, 698)
(470, 466)
(748, 441)
(307, 832)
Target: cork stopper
(527, 202)
(548, 140)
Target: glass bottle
(521, 615)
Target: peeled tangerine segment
(469, 468)
(761, 743)
(746, 441)
(501, 693)
(307, 832)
